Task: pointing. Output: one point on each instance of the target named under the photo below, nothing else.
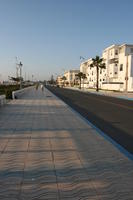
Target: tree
(63, 79)
(16, 79)
(98, 63)
(67, 83)
(52, 80)
(81, 76)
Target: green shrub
(8, 94)
(8, 89)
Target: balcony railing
(113, 60)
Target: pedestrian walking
(42, 87)
(37, 86)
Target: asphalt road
(112, 115)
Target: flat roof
(110, 47)
(118, 45)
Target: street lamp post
(126, 77)
(32, 78)
(82, 59)
(20, 68)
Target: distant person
(37, 85)
(42, 87)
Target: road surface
(111, 115)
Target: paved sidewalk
(49, 152)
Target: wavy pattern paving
(47, 152)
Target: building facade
(59, 81)
(71, 78)
(84, 70)
(118, 74)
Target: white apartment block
(71, 77)
(59, 81)
(84, 68)
(118, 74)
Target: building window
(116, 65)
(121, 67)
(92, 72)
(100, 80)
(116, 52)
(115, 72)
(103, 79)
(121, 50)
(100, 71)
(131, 50)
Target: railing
(18, 93)
(2, 100)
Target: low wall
(2, 100)
(18, 93)
(113, 86)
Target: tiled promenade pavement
(48, 152)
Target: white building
(84, 70)
(118, 74)
(90, 73)
(59, 81)
(71, 77)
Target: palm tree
(98, 63)
(63, 79)
(83, 77)
(80, 75)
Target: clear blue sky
(51, 35)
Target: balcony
(113, 61)
(114, 54)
